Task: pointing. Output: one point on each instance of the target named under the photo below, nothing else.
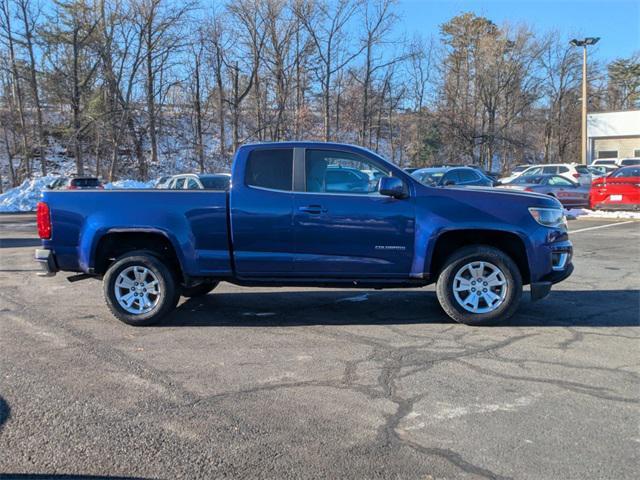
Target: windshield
(429, 177)
(630, 161)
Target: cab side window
(192, 184)
(333, 171)
(272, 169)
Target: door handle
(313, 209)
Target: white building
(613, 135)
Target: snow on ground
(24, 197)
(584, 213)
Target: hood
(490, 196)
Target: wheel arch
(116, 242)
(452, 240)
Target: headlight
(549, 217)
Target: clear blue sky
(617, 22)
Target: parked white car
(572, 171)
(605, 162)
(629, 162)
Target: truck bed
(195, 221)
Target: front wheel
(140, 289)
(479, 285)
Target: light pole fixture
(584, 43)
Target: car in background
(628, 162)
(199, 181)
(515, 173)
(618, 191)
(341, 179)
(75, 183)
(446, 176)
(609, 163)
(598, 171)
(569, 193)
(571, 171)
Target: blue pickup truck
(308, 214)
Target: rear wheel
(479, 285)
(140, 289)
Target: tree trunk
(76, 104)
(198, 111)
(34, 86)
(17, 90)
(151, 105)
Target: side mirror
(392, 187)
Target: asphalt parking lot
(311, 383)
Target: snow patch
(585, 213)
(24, 197)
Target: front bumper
(561, 269)
(47, 261)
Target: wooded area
(135, 88)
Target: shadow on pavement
(5, 412)
(19, 242)
(583, 308)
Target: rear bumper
(615, 206)
(47, 261)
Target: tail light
(576, 175)
(72, 187)
(43, 220)
(528, 189)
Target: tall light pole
(584, 44)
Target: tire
(127, 271)
(458, 271)
(199, 290)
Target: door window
(341, 172)
(178, 184)
(271, 169)
(192, 184)
(559, 181)
(549, 170)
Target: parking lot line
(600, 226)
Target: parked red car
(618, 191)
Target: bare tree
(326, 25)
(6, 15)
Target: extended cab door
(261, 205)
(343, 226)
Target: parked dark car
(75, 183)
(570, 194)
(446, 176)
